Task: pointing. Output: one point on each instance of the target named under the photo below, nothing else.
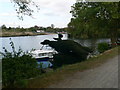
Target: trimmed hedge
(69, 52)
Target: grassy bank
(13, 34)
(55, 76)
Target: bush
(102, 47)
(21, 83)
(17, 66)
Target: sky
(55, 12)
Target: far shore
(15, 34)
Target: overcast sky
(51, 12)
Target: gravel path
(104, 76)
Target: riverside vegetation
(90, 20)
(59, 74)
(95, 20)
(23, 66)
(31, 31)
(17, 67)
(20, 69)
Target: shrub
(17, 66)
(21, 83)
(102, 47)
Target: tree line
(95, 20)
(33, 29)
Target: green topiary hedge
(69, 52)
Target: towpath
(104, 76)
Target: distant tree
(52, 26)
(32, 29)
(65, 29)
(9, 28)
(3, 27)
(36, 27)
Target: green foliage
(32, 29)
(3, 27)
(21, 83)
(17, 66)
(102, 47)
(94, 19)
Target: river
(26, 43)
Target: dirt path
(104, 76)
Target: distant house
(40, 31)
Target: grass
(65, 71)
(13, 34)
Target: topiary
(69, 52)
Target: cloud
(53, 8)
(51, 12)
(8, 14)
(56, 6)
(5, 1)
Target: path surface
(104, 76)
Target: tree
(23, 7)
(52, 26)
(9, 28)
(3, 27)
(95, 18)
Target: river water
(33, 42)
(26, 43)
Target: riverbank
(56, 76)
(14, 34)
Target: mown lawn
(65, 71)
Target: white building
(40, 31)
